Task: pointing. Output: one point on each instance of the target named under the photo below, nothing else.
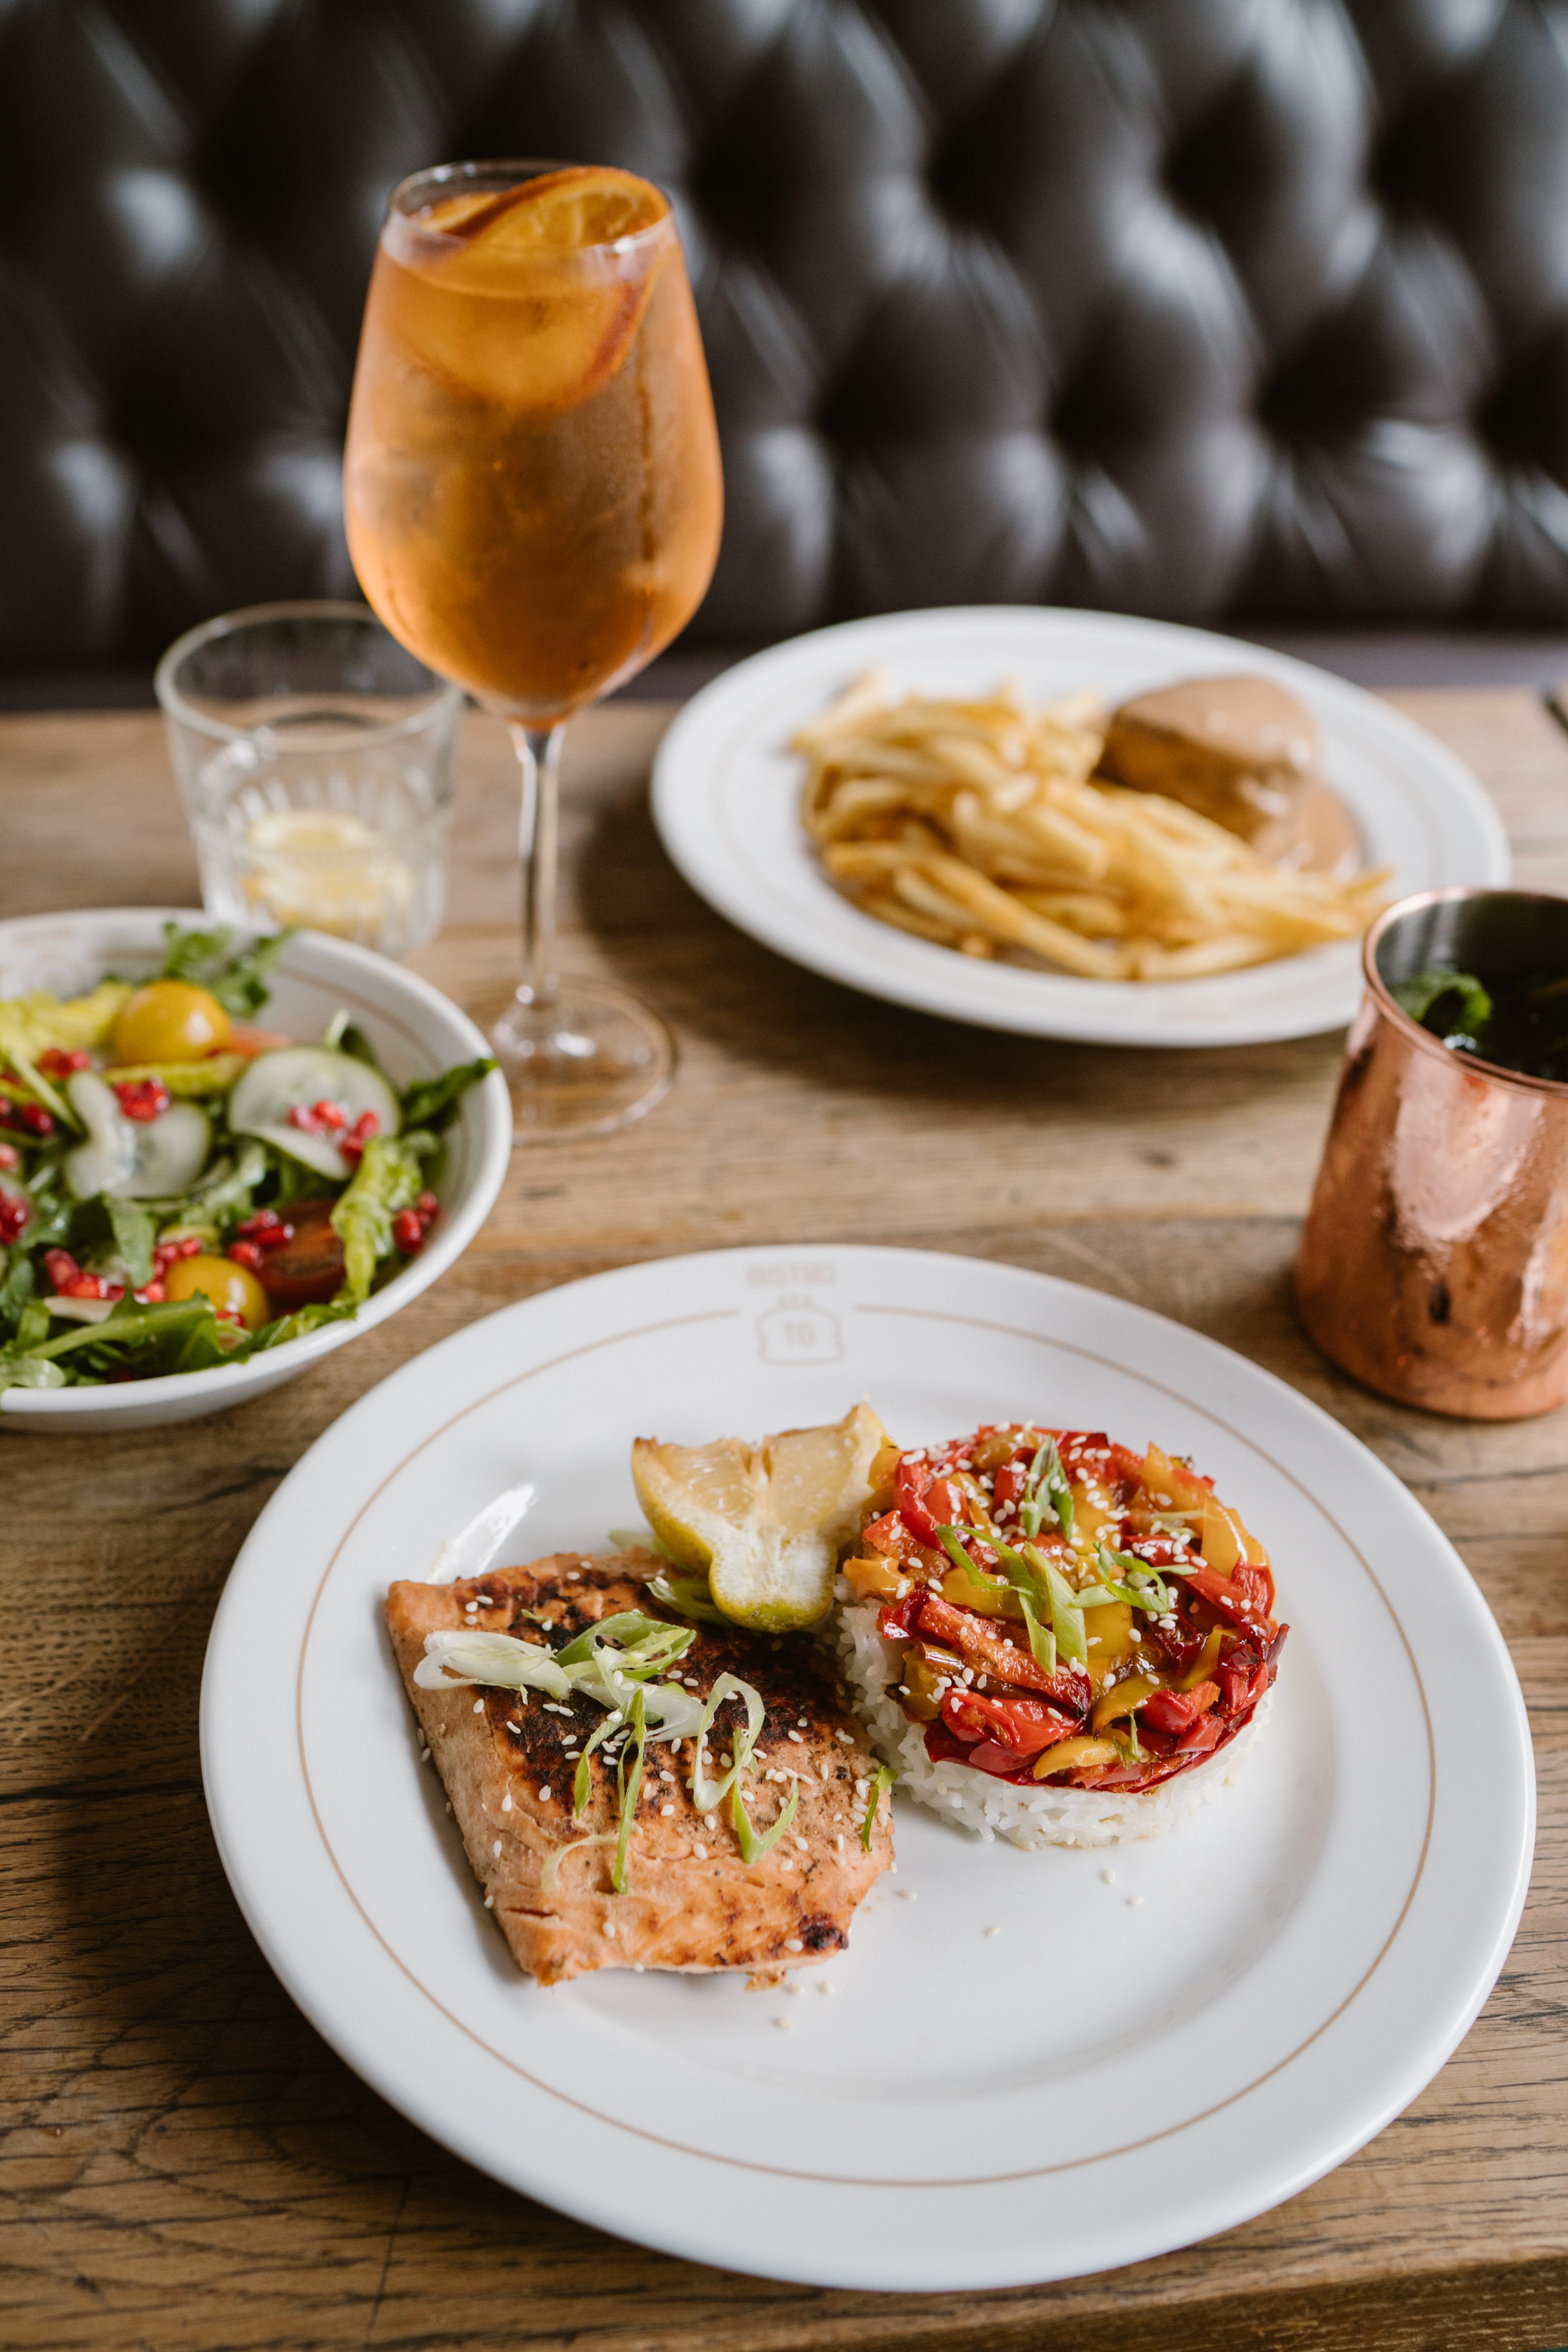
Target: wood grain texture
(184, 2164)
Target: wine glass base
(588, 1062)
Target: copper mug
(1434, 1262)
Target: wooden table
(185, 2164)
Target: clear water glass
(315, 759)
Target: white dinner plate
(1162, 2039)
(726, 791)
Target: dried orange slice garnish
(558, 212)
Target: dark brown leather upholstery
(1192, 307)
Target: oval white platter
(726, 791)
(1163, 2039)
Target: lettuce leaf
(432, 1102)
(387, 1179)
(240, 982)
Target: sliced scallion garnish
(882, 1778)
(689, 1596)
(755, 1844)
(552, 1862)
(1046, 1487)
(640, 1539)
(708, 1795)
(1066, 1617)
(629, 1785)
(1042, 1646)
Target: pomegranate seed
(230, 1315)
(36, 1119)
(56, 1063)
(305, 1120)
(15, 1213)
(330, 1115)
(191, 1246)
(153, 1296)
(9, 1156)
(91, 1286)
(427, 1208)
(61, 1266)
(267, 1229)
(246, 1254)
(408, 1232)
(352, 1147)
(143, 1098)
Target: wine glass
(533, 500)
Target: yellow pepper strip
(1121, 1699)
(1204, 1663)
(1109, 1630)
(868, 1578)
(926, 1685)
(1073, 1755)
(989, 1597)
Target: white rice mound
(1042, 1815)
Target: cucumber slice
(136, 1160)
(296, 1077)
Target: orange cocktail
(533, 501)
(532, 486)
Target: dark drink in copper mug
(1434, 1262)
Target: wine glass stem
(539, 757)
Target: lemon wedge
(765, 1521)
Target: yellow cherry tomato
(231, 1289)
(171, 1021)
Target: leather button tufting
(1192, 310)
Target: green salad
(180, 1188)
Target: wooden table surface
(186, 2167)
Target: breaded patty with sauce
(508, 1759)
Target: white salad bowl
(416, 1032)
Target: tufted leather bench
(1189, 307)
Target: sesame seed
(478, 1706)
(506, 1803)
(993, 1931)
(825, 1984)
(790, 1985)
(610, 1929)
(784, 2023)
(907, 1893)
(793, 1944)
(1109, 1876)
(667, 1811)
(700, 1851)
(496, 1847)
(489, 1902)
(1133, 1901)
(544, 1795)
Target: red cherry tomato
(310, 1266)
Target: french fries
(976, 824)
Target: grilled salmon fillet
(508, 1759)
